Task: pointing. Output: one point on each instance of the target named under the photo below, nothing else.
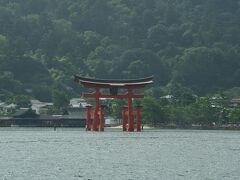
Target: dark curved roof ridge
(114, 82)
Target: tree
(22, 101)
(181, 116)
(157, 37)
(147, 62)
(152, 112)
(60, 101)
(202, 69)
(4, 43)
(204, 112)
(235, 115)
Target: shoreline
(120, 129)
(224, 127)
(65, 122)
(199, 127)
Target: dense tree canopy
(190, 42)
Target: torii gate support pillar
(88, 118)
(130, 112)
(101, 123)
(124, 118)
(138, 118)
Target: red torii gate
(113, 86)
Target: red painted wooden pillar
(124, 120)
(138, 117)
(130, 113)
(101, 125)
(96, 110)
(88, 118)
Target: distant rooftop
(235, 101)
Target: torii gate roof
(113, 83)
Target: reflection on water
(42, 153)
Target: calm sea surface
(41, 153)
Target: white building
(7, 108)
(77, 102)
(40, 107)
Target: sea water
(66, 154)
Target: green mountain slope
(43, 43)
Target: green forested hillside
(189, 43)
